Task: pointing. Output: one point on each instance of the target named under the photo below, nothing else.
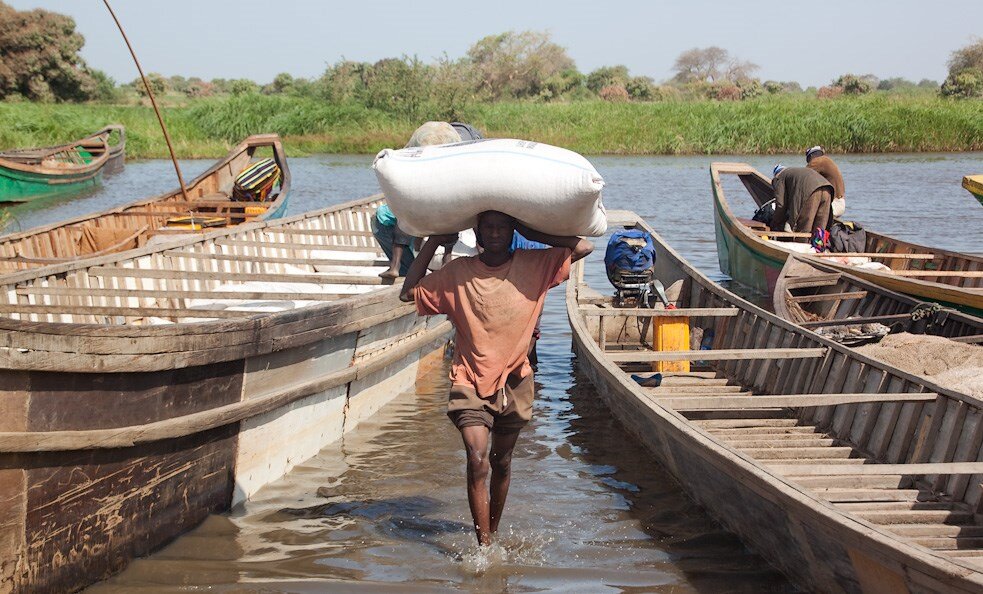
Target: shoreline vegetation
(206, 128)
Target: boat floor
(773, 436)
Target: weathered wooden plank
(856, 321)
(829, 296)
(323, 279)
(273, 259)
(713, 355)
(660, 313)
(785, 401)
(875, 469)
(272, 243)
(127, 312)
(178, 294)
(887, 256)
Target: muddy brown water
(590, 511)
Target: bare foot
(393, 274)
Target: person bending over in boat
(802, 199)
(817, 160)
(397, 244)
(494, 300)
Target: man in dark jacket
(802, 199)
(817, 160)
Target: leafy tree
(517, 64)
(177, 83)
(105, 87)
(570, 82)
(773, 87)
(199, 88)
(282, 83)
(928, 84)
(894, 83)
(606, 76)
(158, 85)
(39, 57)
(614, 94)
(243, 86)
(854, 85)
(965, 84)
(701, 64)
(640, 88)
(966, 58)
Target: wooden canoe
(133, 225)
(141, 392)
(823, 298)
(26, 174)
(974, 183)
(950, 278)
(847, 474)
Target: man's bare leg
(397, 257)
(476, 447)
(501, 474)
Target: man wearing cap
(802, 199)
(817, 160)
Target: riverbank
(766, 125)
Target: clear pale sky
(809, 42)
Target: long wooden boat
(754, 257)
(143, 391)
(122, 228)
(847, 474)
(823, 298)
(974, 183)
(26, 174)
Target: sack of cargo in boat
(630, 257)
(765, 213)
(847, 237)
(256, 181)
(442, 188)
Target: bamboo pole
(153, 100)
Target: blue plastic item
(630, 251)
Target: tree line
(40, 61)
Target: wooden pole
(153, 101)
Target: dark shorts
(507, 412)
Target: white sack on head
(442, 189)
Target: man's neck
(494, 259)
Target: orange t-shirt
(494, 312)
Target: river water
(385, 509)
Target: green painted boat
(27, 174)
(754, 256)
(974, 183)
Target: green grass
(207, 128)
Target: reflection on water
(590, 511)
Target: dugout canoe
(846, 474)
(829, 301)
(209, 206)
(26, 174)
(931, 274)
(974, 183)
(143, 391)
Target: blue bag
(629, 253)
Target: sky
(809, 42)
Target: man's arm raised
(419, 267)
(578, 245)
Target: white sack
(441, 189)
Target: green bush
(965, 84)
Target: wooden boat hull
(25, 175)
(790, 519)
(974, 183)
(134, 225)
(116, 438)
(18, 186)
(816, 296)
(756, 263)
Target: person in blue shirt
(521, 243)
(396, 244)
